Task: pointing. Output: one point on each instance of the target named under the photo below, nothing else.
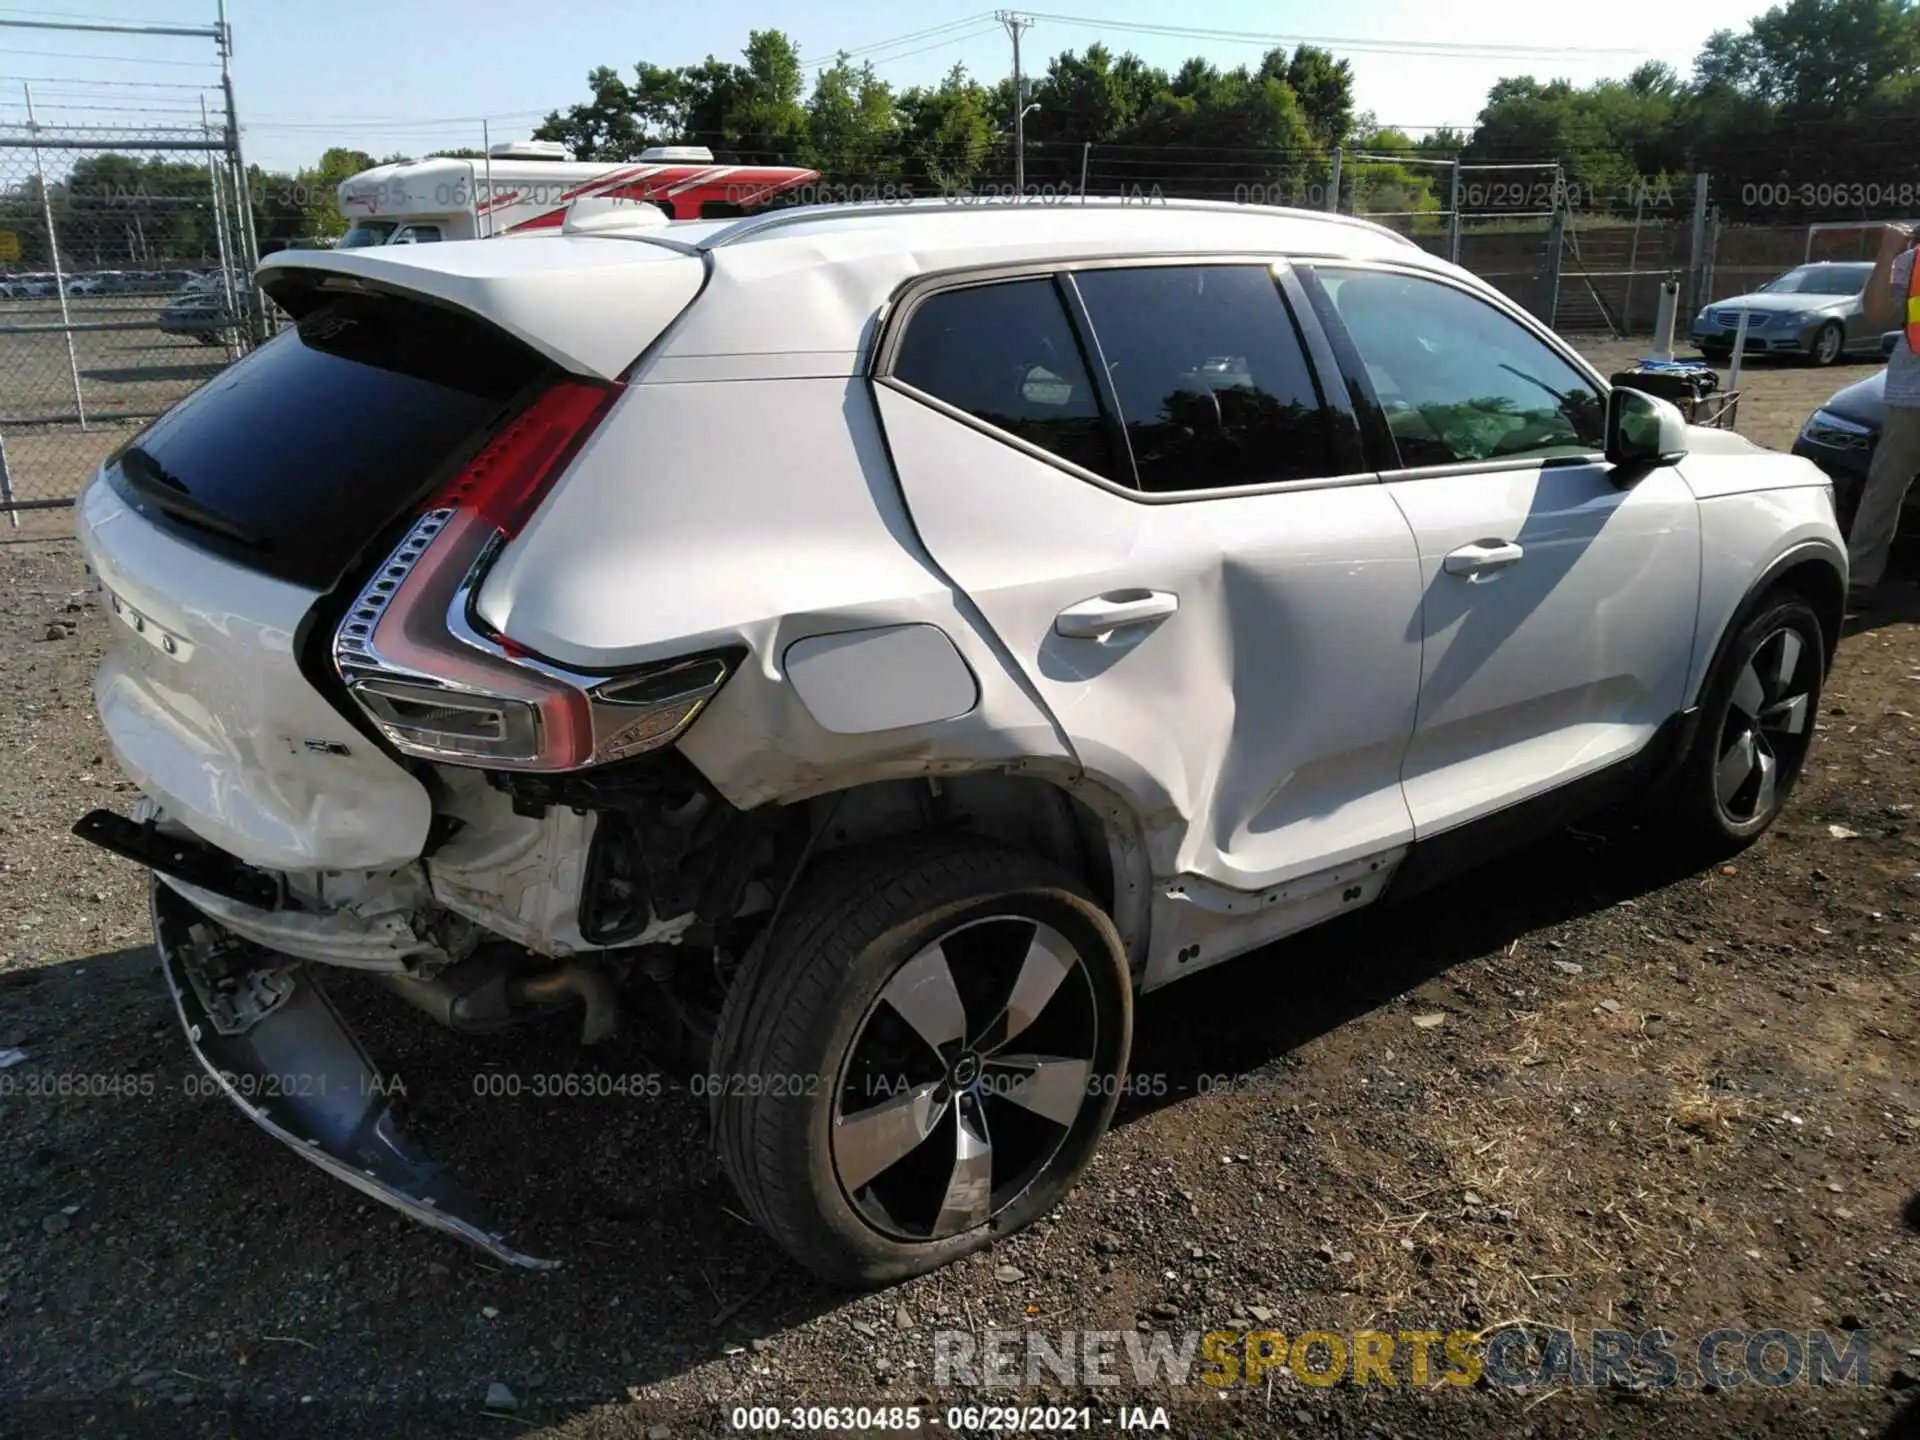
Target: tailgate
(207, 711)
(219, 529)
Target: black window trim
(1391, 470)
(1349, 435)
(897, 314)
(1094, 357)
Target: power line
(89, 108)
(60, 82)
(35, 13)
(395, 124)
(856, 51)
(974, 34)
(108, 59)
(1461, 49)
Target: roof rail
(753, 226)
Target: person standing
(1896, 460)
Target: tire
(1829, 344)
(810, 1023)
(1756, 723)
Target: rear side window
(1007, 355)
(1213, 382)
(293, 459)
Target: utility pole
(1015, 24)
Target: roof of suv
(810, 281)
(804, 284)
(912, 223)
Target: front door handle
(1482, 556)
(1116, 610)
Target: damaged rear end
(340, 764)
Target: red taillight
(439, 689)
(504, 483)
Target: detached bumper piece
(261, 1026)
(182, 857)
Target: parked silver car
(1814, 310)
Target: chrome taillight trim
(609, 716)
(612, 721)
(353, 641)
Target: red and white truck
(525, 187)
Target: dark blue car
(1840, 436)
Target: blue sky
(415, 75)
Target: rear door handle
(1116, 610)
(1482, 556)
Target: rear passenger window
(1212, 379)
(1006, 355)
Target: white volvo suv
(885, 640)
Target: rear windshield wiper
(152, 482)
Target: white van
(524, 187)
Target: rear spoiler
(589, 304)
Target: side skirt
(1437, 859)
(1197, 923)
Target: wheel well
(1814, 579)
(1079, 825)
(1819, 584)
(1020, 811)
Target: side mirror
(1643, 430)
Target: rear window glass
(1006, 355)
(291, 460)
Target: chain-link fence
(1585, 263)
(126, 251)
(1744, 252)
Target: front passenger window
(1458, 380)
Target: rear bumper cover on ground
(298, 1073)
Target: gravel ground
(1579, 1090)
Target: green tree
(1091, 97)
(117, 208)
(756, 107)
(946, 133)
(1390, 186)
(851, 124)
(1825, 56)
(1324, 87)
(607, 126)
(1235, 134)
(317, 190)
